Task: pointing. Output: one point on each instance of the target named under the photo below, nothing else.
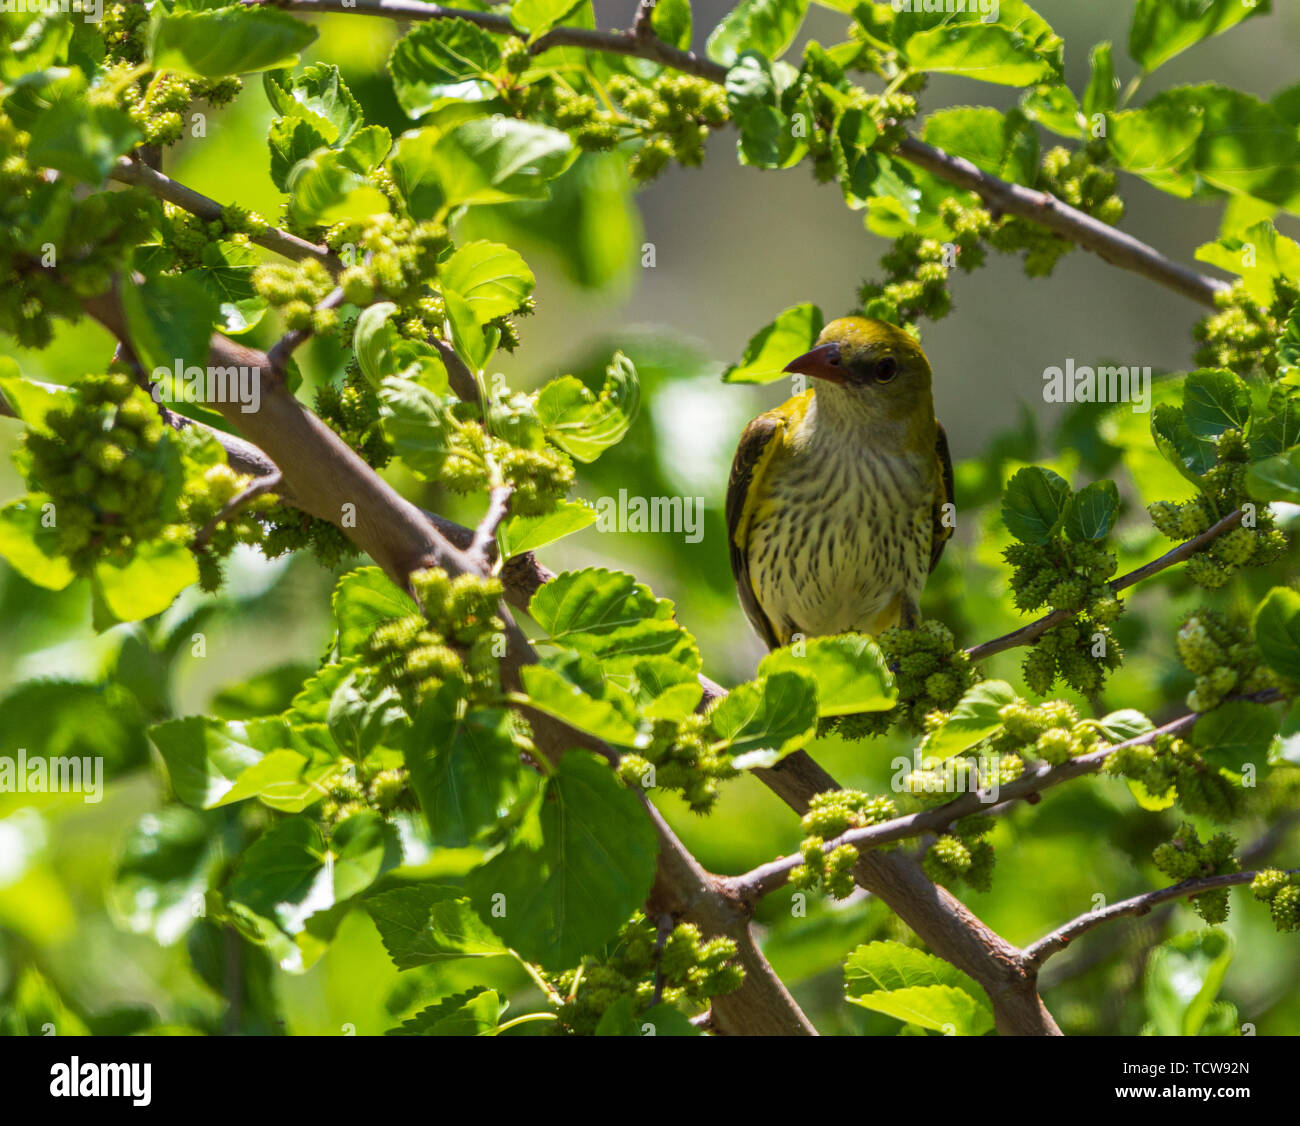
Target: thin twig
(295, 338)
(1038, 953)
(1028, 634)
(480, 548)
(196, 203)
(1112, 245)
(767, 878)
(643, 21)
(257, 487)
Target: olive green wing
(753, 455)
(943, 495)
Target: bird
(839, 500)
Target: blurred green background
(732, 247)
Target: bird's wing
(943, 495)
(753, 456)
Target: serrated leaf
(975, 717)
(1034, 504)
(1235, 733)
(225, 41)
(441, 59)
(364, 599)
(765, 26)
(492, 278)
(1215, 401)
(850, 673)
(793, 332)
(1163, 28)
(528, 533)
(422, 924)
(476, 1012)
(556, 894)
(763, 720)
(464, 768)
(1092, 511)
(1277, 631)
(584, 425)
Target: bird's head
(879, 364)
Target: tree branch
(1028, 634)
(1037, 777)
(1002, 196)
(327, 479)
(1037, 953)
(281, 242)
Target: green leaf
(1258, 254)
(1273, 478)
(849, 671)
(283, 875)
(1153, 141)
(213, 762)
(28, 546)
(1182, 978)
(565, 885)
(464, 768)
(363, 714)
(82, 141)
(1215, 401)
(1288, 349)
(364, 847)
(1193, 457)
(1277, 631)
(1099, 95)
(476, 1012)
(574, 693)
(223, 41)
(170, 320)
(1235, 733)
(765, 26)
(326, 188)
(291, 139)
(364, 599)
(584, 425)
(1054, 108)
(988, 52)
(443, 59)
(671, 21)
(794, 332)
(318, 96)
(240, 309)
(528, 533)
(914, 986)
(974, 718)
(1092, 511)
(163, 873)
(1123, 725)
(1277, 433)
(608, 615)
(493, 279)
(1034, 504)
(422, 924)
(419, 423)
(374, 340)
(1245, 145)
(478, 162)
(145, 584)
(537, 17)
(1163, 28)
(764, 720)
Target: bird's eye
(886, 369)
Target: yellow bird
(837, 500)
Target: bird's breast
(838, 543)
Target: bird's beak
(823, 362)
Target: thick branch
(1038, 953)
(329, 481)
(1028, 634)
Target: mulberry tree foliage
(404, 778)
